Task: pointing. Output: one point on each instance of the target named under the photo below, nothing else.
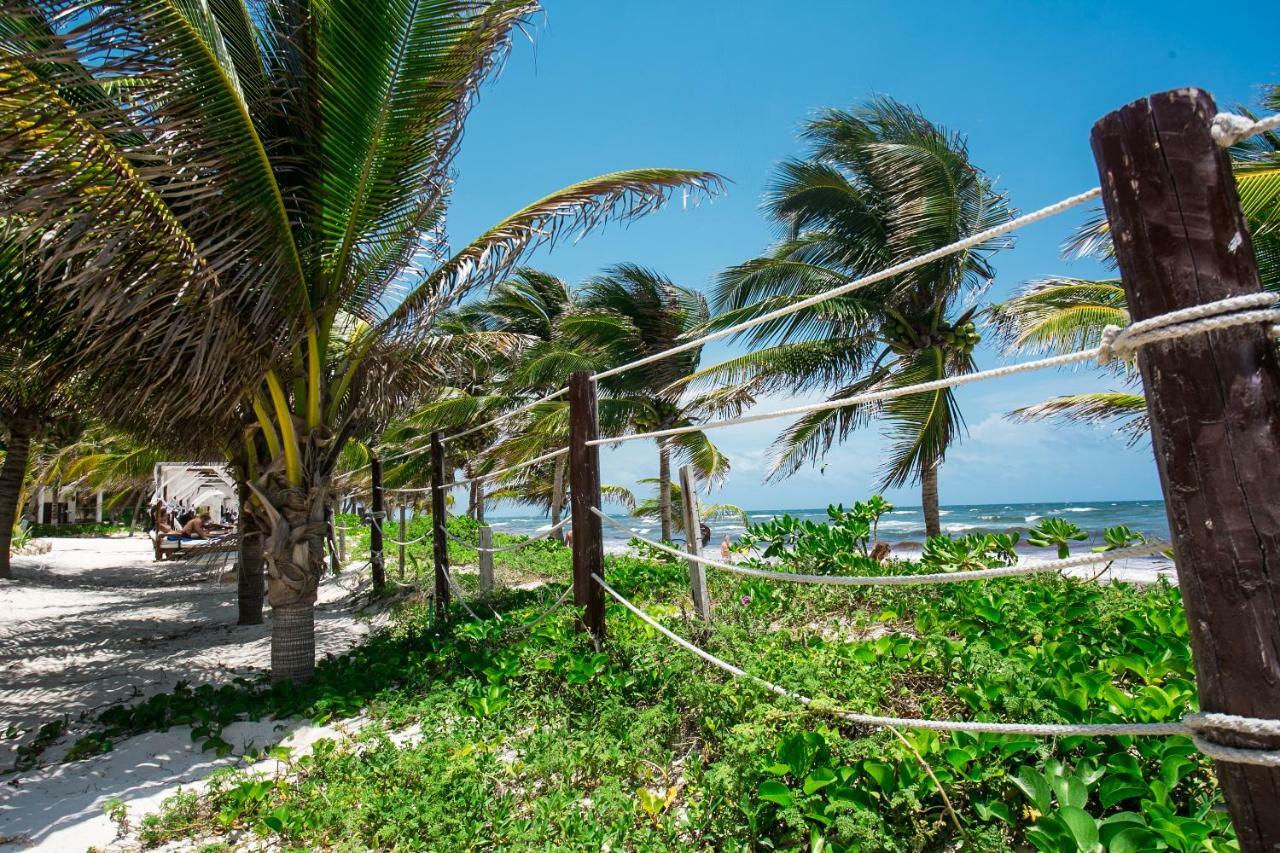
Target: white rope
(410, 542)
(1116, 343)
(555, 605)
(448, 576)
(886, 273)
(489, 476)
(515, 547)
(1191, 725)
(406, 491)
(1228, 128)
(909, 580)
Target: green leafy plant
(971, 551)
(1056, 532)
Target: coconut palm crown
(295, 161)
(880, 184)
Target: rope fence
(1235, 395)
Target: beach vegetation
(475, 736)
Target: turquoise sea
(905, 524)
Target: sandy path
(94, 622)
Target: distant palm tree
(299, 161)
(881, 184)
(656, 315)
(1063, 314)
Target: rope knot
(1228, 129)
(1107, 349)
(1204, 724)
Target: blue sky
(719, 85)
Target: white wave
(1031, 518)
(904, 512)
(499, 524)
(956, 527)
(988, 517)
(1079, 509)
(899, 525)
(762, 516)
(944, 512)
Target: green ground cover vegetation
(482, 738)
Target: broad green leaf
(775, 792)
(1084, 829)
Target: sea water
(904, 524)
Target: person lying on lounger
(196, 528)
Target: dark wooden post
(439, 545)
(1213, 400)
(378, 517)
(584, 495)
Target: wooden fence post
(439, 545)
(486, 559)
(402, 540)
(342, 545)
(1213, 399)
(693, 543)
(584, 496)
(377, 517)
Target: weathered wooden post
(439, 545)
(486, 559)
(377, 516)
(1213, 399)
(584, 496)
(342, 544)
(402, 540)
(693, 542)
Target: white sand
(96, 621)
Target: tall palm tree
(299, 156)
(1064, 314)
(880, 184)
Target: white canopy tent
(195, 485)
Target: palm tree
(880, 184)
(299, 155)
(1064, 314)
(654, 314)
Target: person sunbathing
(196, 528)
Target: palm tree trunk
(929, 500)
(557, 495)
(293, 551)
(11, 477)
(250, 584)
(664, 490)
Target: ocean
(905, 524)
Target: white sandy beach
(96, 621)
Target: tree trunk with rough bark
(557, 496)
(293, 552)
(12, 474)
(929, 500)
(664, 491)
